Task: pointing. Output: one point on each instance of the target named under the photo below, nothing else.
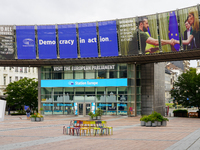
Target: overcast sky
(31, 12)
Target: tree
(23, 92)
(186, 90)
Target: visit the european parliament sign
(172, 31)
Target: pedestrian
(28, 111)
(9, 111)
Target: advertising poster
(88, 40)
(189, 28)
(128, 38)
(67, 41)
(47, 42)
(93, 108)
(108, 38)
(7, 46)
(168, 29)
(25, 42)
(75, 109)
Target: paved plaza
(22, 134)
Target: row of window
(21, 69)
(10, 79)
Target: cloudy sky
(31, 12)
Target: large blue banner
(84, 83)
(67, 41)
(88, 40)
(108, 38)
(47, 42)
(25, 42)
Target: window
(16, 78)
(10, 79)
(4, 80)
(21, 69)
(4, 68)
(16, 69)
(25, 69)
(21, 78)
(10, 68)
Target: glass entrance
(84, 108)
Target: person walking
(28, 112)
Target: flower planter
(37, 119)
(143, 123)
(148, 124)
(98, 117)
(90, 118)
(42, 119)
(94, 118)
(164, 123)
(32, 119)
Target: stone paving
(22, 134)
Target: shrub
(180, 111)
(91, 114)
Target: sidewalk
(22, 134)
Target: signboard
(84, 83)
(108, 38)
(2, 109)
(67, 41)
(47, 42)
(88, 40)
(93, 108)
(25, 42)
(88, 67)
(7, 42)
(75, 109)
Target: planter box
(98, 117)
(159, 123)
(176, 114)
(32, 119)
(94, 118)
(42, 119)
(164, 123)
(154, 124)
(143, 123)
(148, 124)
(37, 119)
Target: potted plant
(164, 122)
(33, 117)
(148, 121)
(99, 113)
(91, 115)
(94, 116)
(142, 120)
(38, 117)
(153, 121)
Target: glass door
(80, 109)
(84, 108)
(88, 108)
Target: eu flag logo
(173, 30)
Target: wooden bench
(193, 114)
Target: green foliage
(169, 104)
(91, 114)
(99, 112)
(36, 115)
(13, 114)
(23, 92)
(180, 111)
(153, 117)
(186, 90)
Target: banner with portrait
(189, 28)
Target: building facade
(11, 74)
